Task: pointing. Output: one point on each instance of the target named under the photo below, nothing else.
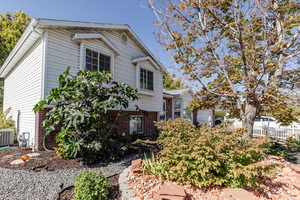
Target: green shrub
(81, 115)
(90, 185)
(293, 144)
(155, 166)
(276, 149)
(207, 156)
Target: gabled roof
(145, 58)
(83, 36)
(51, 23)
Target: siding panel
(22, 89)
(63, 52)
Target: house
(175, 105)
(48, 47)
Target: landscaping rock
(295, 167)
(136, 166)
(171, 191)
(237, 194)
(17, 162)
(276, 158)
(33, 154)
(296, 182)
(126, 192)
(45, 185)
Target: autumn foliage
(241, 56)
(207, 156)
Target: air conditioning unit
(6, 137)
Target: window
(177, 109)
(162, 116)
(136, 124)
(146, 79)
(96, 61)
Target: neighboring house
(176, 104)
(48, 47)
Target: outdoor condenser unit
(6, 137)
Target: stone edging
(126, 192)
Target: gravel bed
(126, 192)
(45, 185)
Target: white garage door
(205, 117)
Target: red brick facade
(149, 119)
(122, 123)
(40, 132)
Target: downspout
(44, 36)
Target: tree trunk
(248, 121)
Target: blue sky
(132, 12)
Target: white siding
(205, 117)
(22, 89)
(63, 52)
(185, 99)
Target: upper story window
(97, 61)
(146, 79)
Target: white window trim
(142, 90)
(137, 84)
(84, 36)
(82, 59)
(130, 131)
(181, 107)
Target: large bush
(207, 156)
(91, 185)
(293, 144)
(81, 114)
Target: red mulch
(47, 160)
(282, 186)
(114, 193)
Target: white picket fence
(280, 133)
(6, 137)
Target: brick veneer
(123, 119)
(40, 131)
(122, 124)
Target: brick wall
(122, 124)
(40, 132)
(149, 119)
